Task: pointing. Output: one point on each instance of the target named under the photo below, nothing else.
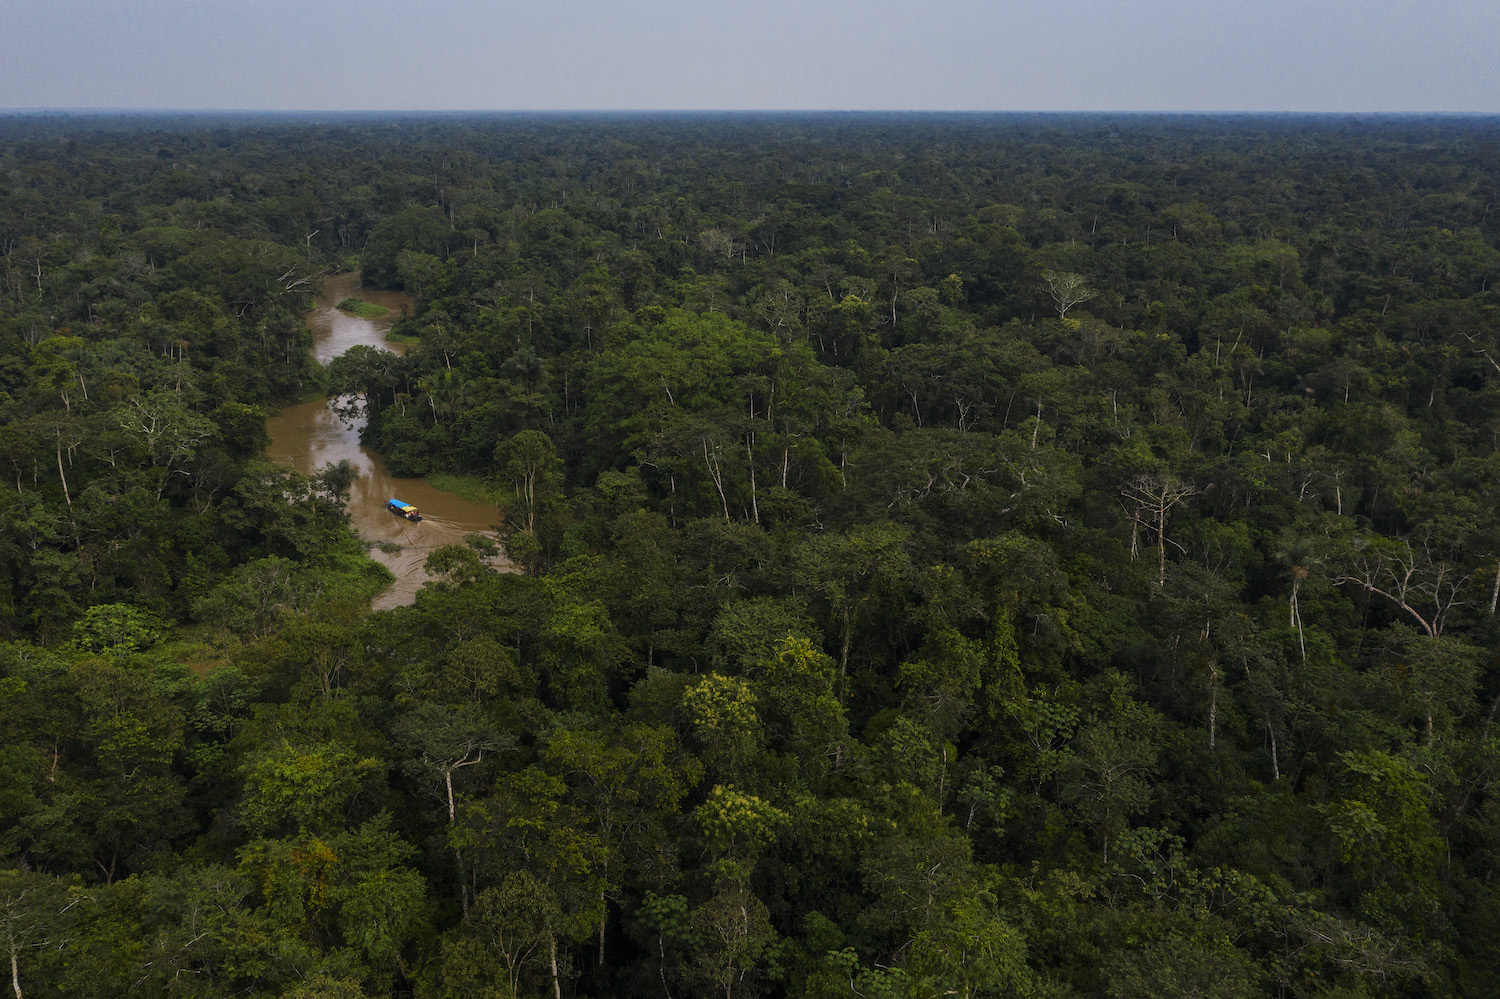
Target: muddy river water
(309, 436)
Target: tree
(803, 712)
(915, 872)
(303, 791)
(724, 721)
(336, 479)
(34, 916)
(1108, 776)
(530, 462)
(1066, 290)
(734, 932)
(1417, 579)
(530, 842)
(851, 572)
(518, 924)
(628, 781)
(971, 952)
(117, 628)
(583, 654)
(1152, 495)
(349, 892)
(1199, 963)
(1380, 819)
(449, 738)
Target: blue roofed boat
(402, 509)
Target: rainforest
(931, 555)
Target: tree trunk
(531, 501)
(64, 478)
(556, 978)
(1213, 701)
(1213, 713)
(1296, 613)
(844, 651)
(458, 854)
(712, 463)
(750, 457)
(1161, 547)
(661, 964)
(603, 921)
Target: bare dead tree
(1152, 496)
(1422, 585)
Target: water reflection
(335, 331)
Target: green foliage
(937, 579)
(290, 790)
(359, 307)
(349, 899)
(737, 825)
(721, 711)
(1380, 821)
(118, 629)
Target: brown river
(309, 436)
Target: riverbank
(309, 435)
(469, 488)
(336, 329)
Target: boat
(401, 509)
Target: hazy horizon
(1073, 56)
(708, 112)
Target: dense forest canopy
(977, 555)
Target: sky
(939, 55)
